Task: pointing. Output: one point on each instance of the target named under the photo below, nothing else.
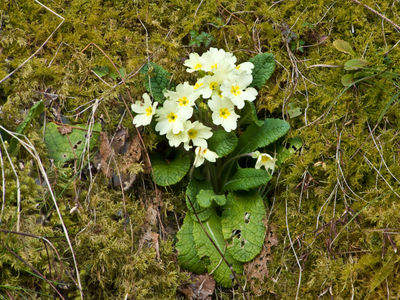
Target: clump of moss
(341, 189)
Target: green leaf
(264, 66)
(202, 38)
(187, 253)
(206, 197)
(242, 223)
(343, 46)
(355, 64)
(70, 145)
(115, 75)
(246, 179)
(294, 111)
(292, 146)
(347, 79)
(256, 137)
(170, 172)
(387, 106)
(222, 142)
(33, 113)
(248, 115)
(156, 80)
(205, 249)
(193, 189)
(101, 71)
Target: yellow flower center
(149, 111)
(214, 66)
(237, 67)
(204, 151)
(192, 133)
(172, 117)
(198, 85)
(213, 85)
(183, 101)
(264, 159)
(224, 113)
(197, 66)
(235, 90)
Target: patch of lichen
(340, 210)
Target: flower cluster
(222, 87)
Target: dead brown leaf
(105, 154)
(64, 129)
(119, 140)
(132, 154)
(257, 269)
(156, 246)
(201, 288)
(127, 157)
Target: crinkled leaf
(294, 111)
(206, 197)
(33, 113)
(101, 71)
(202, 38)
(65, 147)
(242, 224)
(285, 152)
(256, 137)
(168, 172)
(187, 253)
(156, 80)
(222, 142)
(205, 249)
(248, 115)
(355, 64)
(343, 46)
(246, 179)
(264, 66)
(192, 190)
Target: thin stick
(32, 268)
(46, 241)
(197, 9)
(41, 47)
(18, 184)
(219, 250)
(109, 59)
(294, 251)
(378, 14)
(380, 175)
(32, 151)
(381, 155)
(3, 176)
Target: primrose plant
(215, 138)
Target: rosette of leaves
(356, 66)
(223, 228)
(231, 216)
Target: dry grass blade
(33, 269)
(17, 181)
(3, 185)
(294, 251)
(32, 151)
(46, 242)
(378, 14)
(41, 47)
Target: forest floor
(80, 222)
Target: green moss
(330, 176)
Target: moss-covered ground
(333, 207)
